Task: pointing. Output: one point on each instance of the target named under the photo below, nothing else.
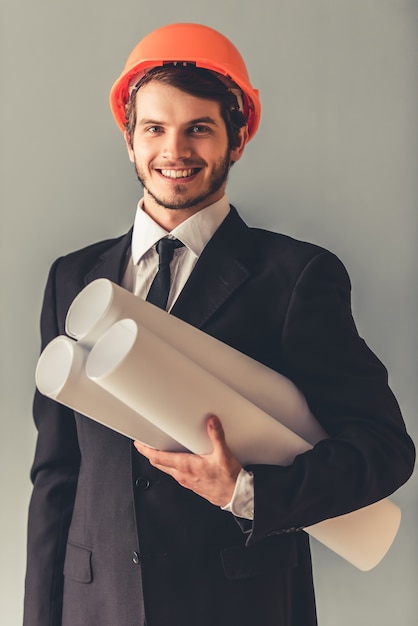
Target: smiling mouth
(179, 174)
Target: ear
(238, 151)
(129, 146)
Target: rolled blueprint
(361, 537)
(60, 375)
(178, 396)
(101, 303)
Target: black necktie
(160, 288)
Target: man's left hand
(212, 476)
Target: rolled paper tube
(362, 537)
(178, 396)
(136, 365)
(102, 303)
(60, 375)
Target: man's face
(180, 150)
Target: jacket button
(142, 483)
(135, 558)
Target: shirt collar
(195, 232)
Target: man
(123, 535)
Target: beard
(177, 202)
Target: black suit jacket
(110, 535)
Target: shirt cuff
(242, 503)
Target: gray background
(334, 162)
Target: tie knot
(165, 248)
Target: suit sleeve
(54, 476)
(368, 454)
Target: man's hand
(212, 476)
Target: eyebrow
(205, 120)
(199, 120)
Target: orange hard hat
(193, 43)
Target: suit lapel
(112, 263)
(225, 264)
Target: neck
(170, 218)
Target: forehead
(165, 100)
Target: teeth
(177, 173)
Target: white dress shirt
(194, 233)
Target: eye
(153, 130)
(199, 129)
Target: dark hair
(197, 82)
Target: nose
(177, 146)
